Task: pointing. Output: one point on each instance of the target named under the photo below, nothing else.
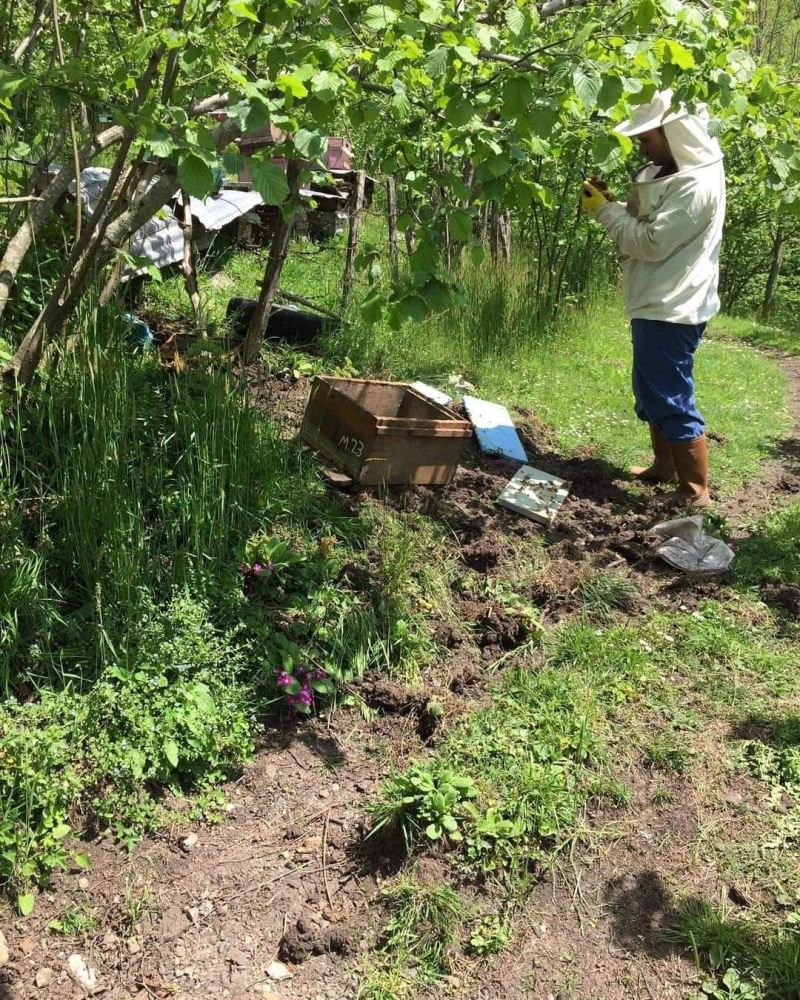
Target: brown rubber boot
(691, 464)
(663, 468)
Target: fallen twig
(325, 858)
(21, 199)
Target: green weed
(424, 925)
(423, 802)
(605, 593)
(749, 960)
(78, 920)
(492, 935)
(669, 752)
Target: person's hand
(592, 199)
(602, 187)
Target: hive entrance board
(535, 494)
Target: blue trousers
(663, 377)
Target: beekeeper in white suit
(669, 233)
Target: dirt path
(286, 876)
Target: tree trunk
(411, 240)
(189, 265)
(391, 201)
(278, 250)
(353, 233)
(778, 246)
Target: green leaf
(83, 861)
(270, 182)
(459, 111)
(645, 12)
(195, 175)
(243, 10)
(460, 225)
(160, 143)
(233, 162)
(326, 85)
(413, 307)
(611, 92)
(515, 20)
(587, 83)
(449, 823)
(171, 752)
(379, 17)
(322, 686)
(679, 55)
(11, 79)
(25, 904)
(433, 831)
(517, 95)
(371, 308)
(543, 121)
(60, 831)
(310, 145)
(60, 98)
(436, 61)
(401, 104)
(291, 84)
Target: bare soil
(287, 876)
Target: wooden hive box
(383, 433)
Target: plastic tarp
(686, 546)
(221, 209)
(160, 240)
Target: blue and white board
(494, 430)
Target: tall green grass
(574, 373)
(126, 483)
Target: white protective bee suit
(670, 231)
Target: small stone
(335, 787)
(83, 883)
(3, 950)
(27, 946)
(43, 978)
(734, 798)
(278, 972)
(264, 991)
(82, 973)
(134, 945)
(193, 913)
(110, 940)
(188, 842)
(324, 793)
(237, 957)
(206, 908)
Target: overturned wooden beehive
(383, 433)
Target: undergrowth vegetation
(165, 559)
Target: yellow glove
(592, 200)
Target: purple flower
(284, 679)
(270, 566)
(292, 699)
(319, 675)
(305, 697)
(257, 569)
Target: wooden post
(189, 264)
(391, 200)
(272, 273)
(354, 230)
